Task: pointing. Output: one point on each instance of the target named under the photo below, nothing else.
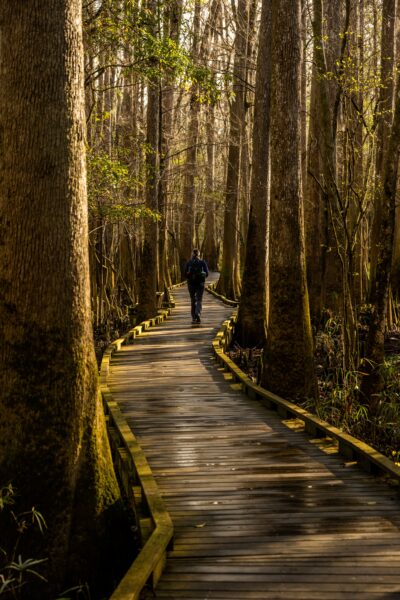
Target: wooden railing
(349, 447)
(138, 484)
(211, 289)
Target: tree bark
(382, 131)
(288, 367)
(53, 445)
(251, 324)
(210, 246)
(335, 32)
(173, 17)
(228, 284)
(372, 382)
(210, 251)
(189, 193)
(322, 248)
(358, 220)
(315, 212)
(304, 71)
(395, 279)
(149, 264)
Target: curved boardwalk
(259, 511)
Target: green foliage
(6, 496)
(111, 188)
(124, 212)
(340, 402)
(15, 571)
(132, 32)
(81, 592)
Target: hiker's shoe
(198, 320)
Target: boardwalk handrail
(349, 447)
(211, 289)
(153, 521)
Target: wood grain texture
(259, 511)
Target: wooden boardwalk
(259, 510)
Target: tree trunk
(383, 128)
(358, 196)
(246, 148)
(173, 17)
(395, 279)
(189, 194)
(321, 216)
(53, 445)
(149, 264)
(372, 382)
(210, 250)
(288, 367)
(304, 94)
(315, 225)
(329, 54)
(251, 324)
(228, 283)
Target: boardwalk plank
(259, 511)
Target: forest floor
(339, 402)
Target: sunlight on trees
(265, 133)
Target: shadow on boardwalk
(259, 511)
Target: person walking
(196, 272)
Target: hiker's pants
(196, 296)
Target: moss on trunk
(53, 446)
(288, 353)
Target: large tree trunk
(246, 147)
(322, 251)
(288, 367)
(382, 132)
(326, 273)
(314, 210)
(250, 330)
(149, 265)
(210, 48)
(53, 445)
(189, 202)
(304, 74)
(228, 283)
(173, 17)
(189, 196)
(358, 220)
(395, 280)
(334, 38)
(372, 382)
(210, 249)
